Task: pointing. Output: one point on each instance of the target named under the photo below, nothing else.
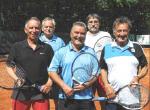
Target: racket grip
(99, 99)
(38, 87)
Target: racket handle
(38, 87)
(99, 99)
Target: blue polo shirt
(55, 42)
(64, 58)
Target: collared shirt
(35, 64)
(64, 58)
(101, 38)
(122, 62)
(55, 41)
(92, 38)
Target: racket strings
(84, 67)
(134, 97)
(142, 93)
(100, 43)
(19, 71)
(132, 106)
(80, 75)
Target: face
(93, 25)
(48, 28)
(78, 36)
(32, 29)
(121, 33)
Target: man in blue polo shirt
(48, 37)
(120, 62)
(79, 98)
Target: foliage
(13, 13)
(123, 3)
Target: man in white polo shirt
(94, 33)
(120, 62)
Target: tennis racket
(8, 83)
(134, 96)
(84, 68)
(100, 43)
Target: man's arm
(108, 88)
(104, 75)
(141, 74)
(143, 64)
(46, 87)
(56, 78)
(11, 72)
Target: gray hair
(79, 23)
(48, 19)
(122, 20)
(32, 18)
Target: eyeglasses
(95, 22)
(122, 31)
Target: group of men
(46, 59)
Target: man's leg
(40, 104)
(20, 105)
(110, 106)
(68, 104)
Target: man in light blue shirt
(80, 96)
(48, 36)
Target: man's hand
(46, 87)
(110, 92)
(68, 90)
(135, 80)
(19, 82)
(79, 87)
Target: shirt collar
(39, 44)
(129, 44)
(72, 49)
(45, 39)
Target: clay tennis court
(5, 101)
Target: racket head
(100, 43)
(7, 82)
(84, 68)
(78, 77)
(134, 96)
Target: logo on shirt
(42, 53)
(132, 50)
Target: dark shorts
(113, 106)
(72, 104)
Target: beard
(94, 30)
